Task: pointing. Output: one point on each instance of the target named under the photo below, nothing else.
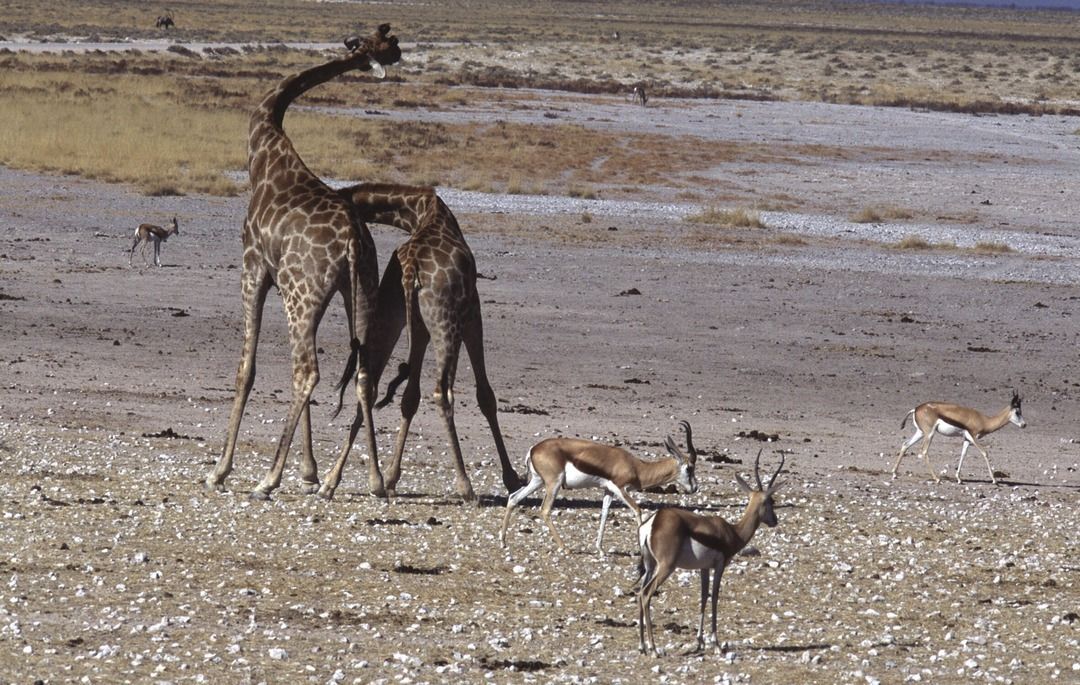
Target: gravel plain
(606, 318)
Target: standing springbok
(574, 463)
(952, 420)
(675, 538)
(639, 95)
(150, 233)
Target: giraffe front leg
(309, 470)
(254, 286)
(306, 376)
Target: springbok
(952, 420)
(639, 95)
(675, 538)
(150, 233)
(574, 463)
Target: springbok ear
(674, 450)
(773, 487)
(742, 484)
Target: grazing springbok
(639, 95)
(573, 463)
(952, 420)
(165, 21)
(675, 538)
(150, 233)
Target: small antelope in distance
(639, 95)
(675, 538)
(150, 233)
(952, 420)
(574, 463)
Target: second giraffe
(429, 286)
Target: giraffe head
(378, 50)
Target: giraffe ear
(377, 69)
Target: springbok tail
(904, 422)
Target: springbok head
(761, 497)
(685, 481)
(1015, 416)
(380, 49)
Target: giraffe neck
(266, 134)
(406, 207)
(272, 108)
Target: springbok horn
(689, 442)
(777, 472)
(757, 473)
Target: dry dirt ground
(116, 384)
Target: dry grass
(877, 213)
(740, 217)
(913, 242)
(933, 57)
(210, 101)
(992, 248)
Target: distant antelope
(953, 420)
(675, 538)
(639, 95)
(573, 463)
(150, 233)
(165, 21)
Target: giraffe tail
(350, 370)
(392, 386)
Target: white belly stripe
(577, 479)
(948, 429)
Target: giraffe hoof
(211, 487)
(259, 496)
(326, 493)
(309, 488)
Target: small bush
(873, 214)
(914, 242)
(992, 248)
(740, 217)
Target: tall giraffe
(306, 239)
(429, 286)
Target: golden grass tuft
(992, 248)
(873, 214)
(740, 217)
(914, 242)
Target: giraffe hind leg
(444, 398)
(473, 337)
(410, 401)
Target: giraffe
(429, 286)
(304, 238)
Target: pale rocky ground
(116, 567)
